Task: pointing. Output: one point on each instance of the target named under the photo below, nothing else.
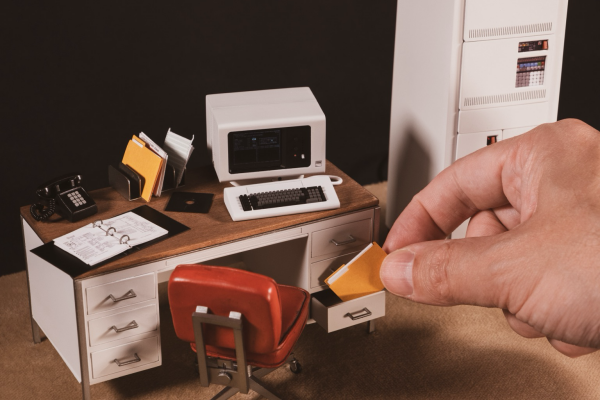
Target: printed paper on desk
(144, 162)
(360, 276)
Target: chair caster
(295, 366)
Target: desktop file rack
(126, 186)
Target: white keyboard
(272, 199)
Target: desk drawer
(333, 314)
(130, 355)
(129, 323)
(125, 292)
(341, 239)
(319, 271)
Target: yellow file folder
(360, 276)
(145, 162)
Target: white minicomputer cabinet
(468, 73)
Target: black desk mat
(74, 267)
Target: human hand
(533, 243)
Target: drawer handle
(131, 325)
(353, 316)
(121, 363)
(351, 240)
(129, 295)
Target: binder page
(179, 150)
(162, 154)
(97, 242)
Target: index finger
(472, 183)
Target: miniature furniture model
(104, 321)
(242, 325)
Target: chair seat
(294, 304)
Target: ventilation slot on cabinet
(505, 98)
(510, 30)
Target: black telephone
(65, 196)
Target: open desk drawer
(333, 314)
(319, 271)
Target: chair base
(256, 384)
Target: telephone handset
(65, 196)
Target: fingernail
(396, 272)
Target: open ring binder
(74, 266)
(111, 232)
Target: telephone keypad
(76, 198)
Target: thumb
(449, 272)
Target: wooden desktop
(102, 337)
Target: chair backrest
(223, 290)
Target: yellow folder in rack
(145, 162)
(360, 276)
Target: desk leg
(85, 390)
(83, 354)
(371, 326)
(36, 332)
(376, 225)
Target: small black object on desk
(65, 196)
(190, 202)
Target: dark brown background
(80, 79)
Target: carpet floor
(416, 352)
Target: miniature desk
(105, 322)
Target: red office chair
(241, 324)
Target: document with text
(103, 239)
